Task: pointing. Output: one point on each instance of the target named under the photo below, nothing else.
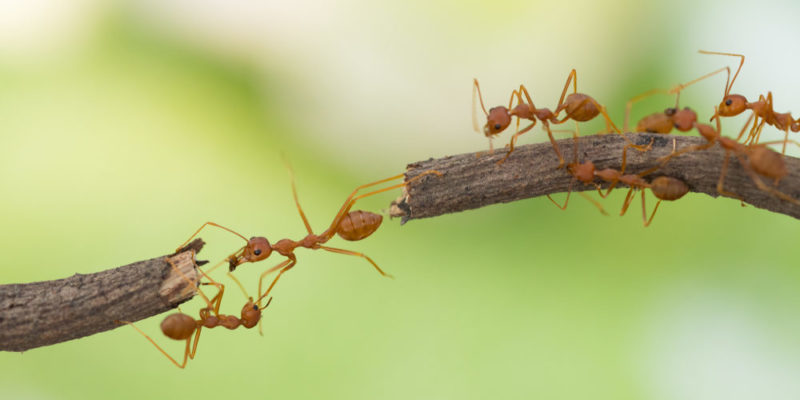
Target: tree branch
(43, 313)
(471, 182)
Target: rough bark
(43, 313)
(470, 182)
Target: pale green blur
(123, 136)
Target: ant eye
(255, 307)
(257, 252)
(497, 127)
(728, 102)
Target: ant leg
(678, 88)
(569, 190)
(627, 203)
(203, 226)
(546, 126)
(649, 221)
(296, 201)
(517, 134)
(238, 283)
(609, 122)
(185, 353)
(573, 77)
(728, 85)
(594, 202)
(196, 339)
(353, 253)
(476, 88)
(637, 147)
(284, 265)
(794, 142)
(629, 104)
(720, 187)
(220, 290)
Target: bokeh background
(125, 125)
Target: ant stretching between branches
(349, 225)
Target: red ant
(664, 188)
(585, 172)
(349, 225)
(735, 104)
(761, 160)
(579, 107)
(180, 326)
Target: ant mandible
(349, 225)
(735, 104)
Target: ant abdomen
(656, 123)
(357, 225)
(178, 326)
(668, 188)
(767, 162)
(580, 107)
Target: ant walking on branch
(735, 104)
(579, 107)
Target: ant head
(684, 119)
(251, 314)
(732, 104)
(257, 249)
(178, 326)
(497, 121)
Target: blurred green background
(126, 125)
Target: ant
(579, 107)
(180, 326)
(664, 188)
(586, 172)
(349, 225)
(674, 117)
(735, 104)
(761, 160)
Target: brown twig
(471, 182)
(43, 313)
